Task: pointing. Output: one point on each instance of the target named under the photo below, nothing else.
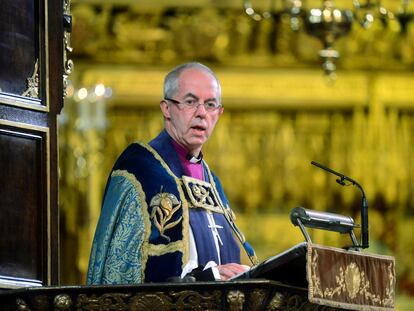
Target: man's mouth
(198, 128)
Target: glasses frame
(195, 107)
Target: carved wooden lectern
(306, 277)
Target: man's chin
(197, 142)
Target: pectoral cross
(217, 239)
(214, 230)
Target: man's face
(191, 127)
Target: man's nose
(201, 109)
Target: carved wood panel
(31, 95)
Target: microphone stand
(364, 207)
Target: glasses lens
(193, 104)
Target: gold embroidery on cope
(185, 223)
(164, 205)
(143, 211)
(201, 195)
(161, 249)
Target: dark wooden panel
(23, 233)
(16, 114)
(18, 44)
(30, 31)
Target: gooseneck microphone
(364, 208)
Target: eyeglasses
(193, 104)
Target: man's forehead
(188, 79)
(196, 72)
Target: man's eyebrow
(191, 95)
(197, 98)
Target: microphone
(322, 220)
(364, 208)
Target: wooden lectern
(305, 277)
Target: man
(164, 214)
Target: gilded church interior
(283, 109)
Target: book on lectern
(288, 267)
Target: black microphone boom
(364, 207)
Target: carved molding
(160, 301)
(67, 48)
(33, 83)
(235, 300)
(242, 298)
(257, 298)
(62, 302)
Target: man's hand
(231, 269)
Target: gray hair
(172, 78)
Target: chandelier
(328, 23)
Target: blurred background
(289, 99)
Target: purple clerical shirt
(194, 170)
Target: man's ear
(221, 110)
(165, 108)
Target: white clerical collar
(193, 159)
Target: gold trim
(199, 192)
(22, 102)
(46, 144)
(24, 126)
(186, 221)
(229, 215)
(350, 281)
(68, 64)
(46, 79)
(33, 83)
(226, 210)
(145, 215)
(161, 249)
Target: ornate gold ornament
(22, 305)
(352, 280)
(236, 300)
(257, 298)
(202, 195)
(164, 206)
(110, 301)
(68, 64)
(276, 302)
(62, 302)
(292, 302)
(33, 83)
(157, 301)
(193, 300)
(160, 301)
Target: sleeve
(116, 256)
